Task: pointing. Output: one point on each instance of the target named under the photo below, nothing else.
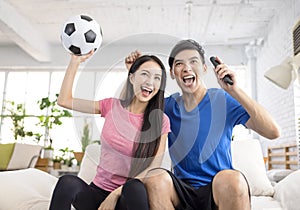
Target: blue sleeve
(236, 112)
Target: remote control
(227, 78)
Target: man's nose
(187, 67)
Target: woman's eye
(178, 64)
(157, 78)
(144, 74)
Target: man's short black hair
(188, 44)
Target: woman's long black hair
(149, 139)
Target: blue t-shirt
(199, 142)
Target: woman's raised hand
(81, 58)
(129, 60)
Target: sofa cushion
(287, 191)
(276, 175)
(90, 160)
(6, 151)
(29, 189)
(24, 156)
(247, 157)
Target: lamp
(283, 74)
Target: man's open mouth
(188, 79)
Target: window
(29, 87)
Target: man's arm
(260, 120)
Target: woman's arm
(111, 200)
(66, 99)
(157, 161)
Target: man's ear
(172, 74)
(205, 68)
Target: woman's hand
(129, 60)
(81, 58)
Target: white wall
(276, 47)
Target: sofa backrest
(246, 156)
(22, 156)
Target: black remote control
(227, 78)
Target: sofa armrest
(26, 189)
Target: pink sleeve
(165, 125)
(105, 105)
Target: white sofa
(31, 189)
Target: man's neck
(191, 100)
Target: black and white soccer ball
(81, 34)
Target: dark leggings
(73, 190)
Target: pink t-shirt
(119, 132)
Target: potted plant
(57, 160)
(51, 119)
(85, 141)
(17, 114)
(67, 157)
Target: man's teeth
(188, 78)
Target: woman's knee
(68, 182)
(133, 186)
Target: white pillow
(287, 191)
(276, 175)
(22, 156)
(26, 189)
(247, 157)
(89, 163)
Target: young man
(202, 121)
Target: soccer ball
(81, 34)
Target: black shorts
(192, 198)
(195, 198)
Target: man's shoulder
(215, 90)
(173, 97)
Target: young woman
(132, 141)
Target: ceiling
(34, 25)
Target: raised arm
(260, 120)
(131, 58)
(66, 99)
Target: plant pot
(48, 153)
(78, 156)
(57, 165)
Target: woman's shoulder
(108, 103)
